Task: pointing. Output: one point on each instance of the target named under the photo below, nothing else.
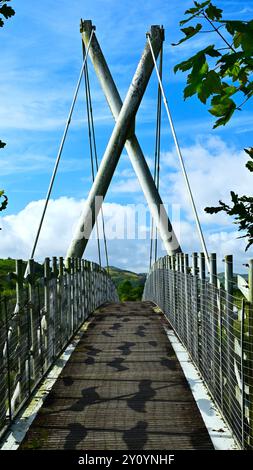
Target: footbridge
(119, 371)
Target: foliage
(129, 285)
(127, 292)
(6, 284)
(219, 73)
(222, 77)
(7, 276)
(242, 210)
(5, 11)
(4, 202)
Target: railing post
(88, 286)
(187, 310)
(72, 290)
(163, 305)
(4, 365)
(31, 326)
(229, 326)
(48, 326)
(68, 286)
(82, 288)
(196, 306)
(75, 292)
(202, 345)
(242, 343)
(195, 269)
(214, 318)
(248, 375)
(21, 327)
(8, 403)
(55, 304)
(179, 295)
(85, 288)
(61, 294)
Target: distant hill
(221, 277)
(120, 275)
(129, 284)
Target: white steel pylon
(123, 134)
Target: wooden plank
(122, 391)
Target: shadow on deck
(122, 388)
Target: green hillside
(120, 275)
(8, 285)
(129, 284)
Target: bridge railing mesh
(38, 322)
(215, 324)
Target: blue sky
(40, 62)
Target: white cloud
(128, 185)
(132, 252)
(214, 169)
(18, 233)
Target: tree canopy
(220, 76)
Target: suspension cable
(199, 229)
(59, 153)
(86, 77)
(157, 160)
(158, 139)
(92, 127)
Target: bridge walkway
(122, 388)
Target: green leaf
(227, 116)
(213, 82)
(187, 64)
(194, 11)
(247, 43)
(183, 66)
(213, 12)
(249, 165)
(213, 210)
(234, 197)
(210, 84)
(187, 20)
(229, 64)
(190, 90)
(7, 11)
(233, 26)
(4, 203)
(218, 110)
(222, 107)
(2, 144)
(237, 39)
(249, 151)
(200, 6)
(189, 33)
(211, 51)
(191, 11)
(1, 23)
(229, 90)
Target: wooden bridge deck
(122, 388)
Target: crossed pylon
(123, 135)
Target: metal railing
(38, 322)
(215, 327)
